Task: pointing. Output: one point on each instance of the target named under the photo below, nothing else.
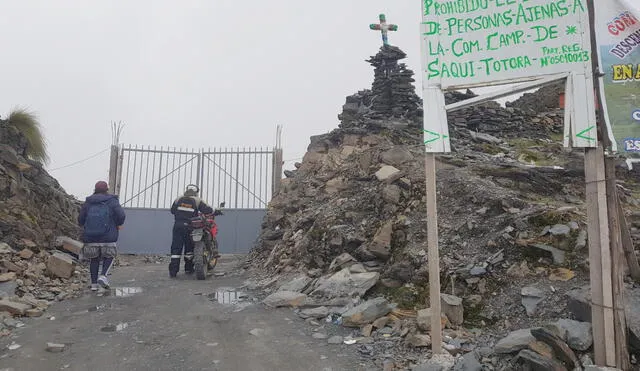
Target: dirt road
(150, 322)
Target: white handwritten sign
(479, 42)
(474, 43)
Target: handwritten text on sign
(469, 42)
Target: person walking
(101, 217)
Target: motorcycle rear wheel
(199, 261)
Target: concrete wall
(148, 231)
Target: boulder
(560, 348)
(560, 230)
(579, 305)
(8, 289)
(336, 185)
(438, 362)
(345, 284)
(388, 174)
(392, 194)
(285, 299)
(26, 254)
(579, 335)
(5, 249)
(366, 312)
(381, 322)
(380, 247)
(557, 255)
(315, 313)
(424, 319)
(452, 308)
(15, 308)
(60, 265)
(298, 284)
(468, 362)
(6, 277)
(69, 244)
(342, 261)
(514, 342)
(419, 340)
(531, 298)
(396, 156)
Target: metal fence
(149, 177)
(148, 231)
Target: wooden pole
(627, 245)
(595, 191)
(434, 253)
(613, 336)
(618, 260)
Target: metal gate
(148, 180)
(153, 178)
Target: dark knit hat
(101, 187)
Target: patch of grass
(473, 316)
(409, 297)
(527, 155)
(489, 148)
(28, 125)
(317, 233)
(523, 143)
(550, 218)
(526, 152)
(557, 137)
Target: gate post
(276, 178)
(199, 170)
(277, 171)
(113, 168)
(118, 185)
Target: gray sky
(188, 73)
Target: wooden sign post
(434, 252)
(606, 256)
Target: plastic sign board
(474, 43)
(618, 34)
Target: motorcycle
(204, 232)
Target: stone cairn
(392, 95)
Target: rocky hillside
(350, 220)
(34, 210)
(33, 205)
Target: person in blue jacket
(101, 217)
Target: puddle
(227, 296)
(115, 328)
(93, 308)
(124, 292)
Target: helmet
(192, 190)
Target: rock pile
(34, 209)
(392, 95)
(33, 205)
(360, 189)
(347, 232)
(546, 98)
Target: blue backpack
(98, 220)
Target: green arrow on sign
(437, 136)
(583, 134)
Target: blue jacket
(117, 216)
